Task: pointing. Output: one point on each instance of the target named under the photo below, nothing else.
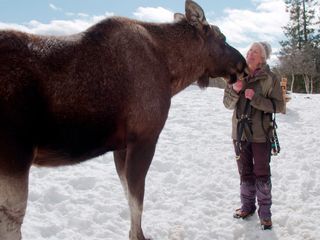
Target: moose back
(67, 99)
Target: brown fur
(64, 100)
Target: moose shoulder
(67, 99)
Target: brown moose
(64, 100)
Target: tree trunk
(292, 83)
(306, 83)
(305, 35)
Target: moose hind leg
(138, 160)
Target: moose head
(222, 59)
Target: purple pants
(254, 169)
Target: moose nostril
(246, 70)
(240, 67)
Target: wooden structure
(286, 96)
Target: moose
(66, 99)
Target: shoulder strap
(275, 145)
(273, 118)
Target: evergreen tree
(301, 27)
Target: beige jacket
(266, 86)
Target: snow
(192, 186)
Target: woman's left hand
(249, 93)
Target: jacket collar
(259, 73)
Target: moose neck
(185, 54)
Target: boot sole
(265, 227)
(237, 216)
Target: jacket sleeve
(230, 97)
(264, 103)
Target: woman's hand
(237, 86)
(249, 93)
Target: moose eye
(206, 28)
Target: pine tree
(301, 28)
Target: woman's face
(254, 57)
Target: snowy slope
(192, 186)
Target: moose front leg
(120, 163)
(138, 159)
(13, 203)
(15, 161)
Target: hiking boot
(242, 214)
(266, 224)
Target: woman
(254, 99)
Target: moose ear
(195, 14)
(178, 17)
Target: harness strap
(244, 122)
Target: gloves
(237, 87)
(249, 93)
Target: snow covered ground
(192, 186)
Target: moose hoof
(138, 237)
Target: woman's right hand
(237, 86)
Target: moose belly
(72, 145)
